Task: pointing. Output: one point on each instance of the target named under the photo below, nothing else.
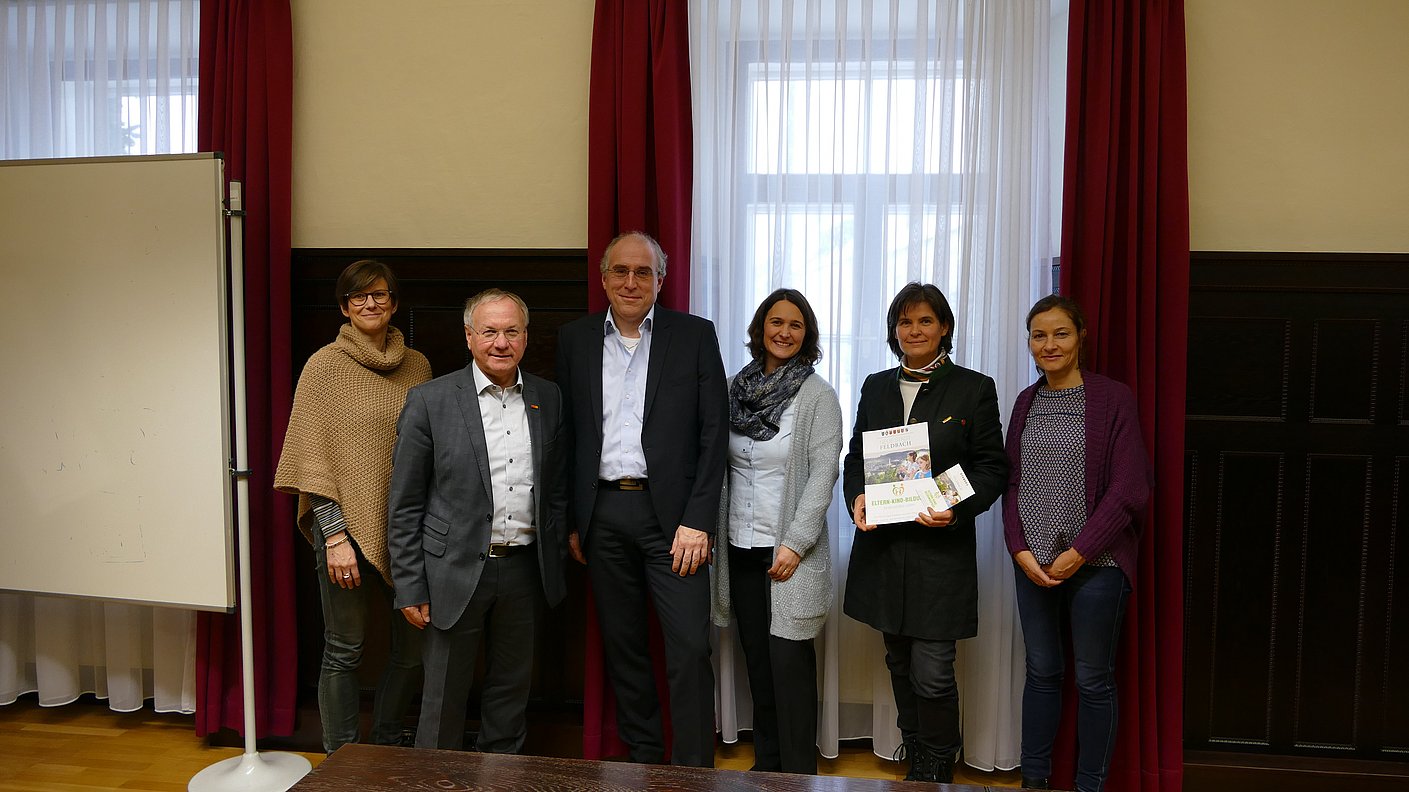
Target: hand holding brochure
(899, 475)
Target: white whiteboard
(115, 438)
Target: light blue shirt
(624, 401)
(757, 471)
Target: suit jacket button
(481, 556)
(489, 516)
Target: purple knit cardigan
(1117, 473)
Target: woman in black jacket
(917, 581)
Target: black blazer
(686, 432)
(905, 578)
(441, 502)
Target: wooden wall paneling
(1197, 653)
(1241, 387)
(1402, 402)
(1297, 425)
(1345, 362)
(1392, 708)
(1332, 585)
(1243, 609)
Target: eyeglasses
(619, 273)
(488, 335)
(380, 297)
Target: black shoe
(921, 765)
(943, 771)
(905, 752)
(1035, 783)
(929, 765)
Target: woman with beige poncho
(337, 459)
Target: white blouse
(756, 472)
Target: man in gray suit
(475, 527)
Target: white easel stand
(252, 771)
(272, 770)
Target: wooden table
(378, 768)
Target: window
(98, 77)
(845, 149)
(856, 118)
(853, 177)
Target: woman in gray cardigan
(775, 575)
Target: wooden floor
(85, 746)
(857, 761)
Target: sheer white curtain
(844, 148)
(85, 78)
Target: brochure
(953, 485)
(899, 475)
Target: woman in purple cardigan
(1078, 480)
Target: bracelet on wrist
(343, 540)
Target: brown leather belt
(625, 484)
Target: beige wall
(1298, 122)
(440, 123)
(463, 123)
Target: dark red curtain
(640, 142)
(639, 178)
(1125, 259)
(246, 111)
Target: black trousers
(628, 559)
(926, 694)
(501, 616)
(782, 672)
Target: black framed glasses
(380, 297)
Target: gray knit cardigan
(800, 603)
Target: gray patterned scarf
(757, 400)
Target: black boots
(928, 765)
(905, 752)
(1035, 783)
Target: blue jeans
(1095, 600)
(344, 628)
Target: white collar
(609, 324)
(482, 381)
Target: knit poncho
(342, 430)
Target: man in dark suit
(649, 417)
(476, 525)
